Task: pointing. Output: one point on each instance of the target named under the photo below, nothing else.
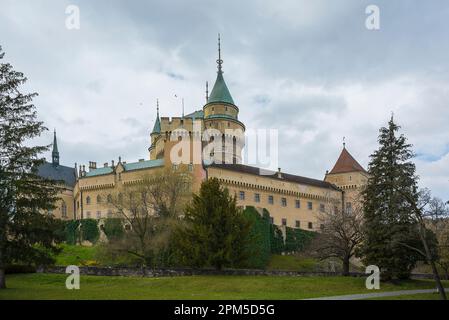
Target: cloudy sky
(310, 69)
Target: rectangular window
(297, 224)
(322, 226)
(270, 199)
(298, 204)
(284, 221)
(284, 202)
(257, 197)
(98, 214)
(322, 207)
(310, 225)
(309, 205)
(349, 207)
(242, 195)
(109, 214)
(88, 214)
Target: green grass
(420, 296)
(292, 263)
(75, 255)
(52, 286)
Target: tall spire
(219, 61)
(157, 124)
(55, 152)
(220, 92)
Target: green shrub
(259, 246)
(89, 230)
(19, 268)
(71, 231)
(113, 228)
(297, 239)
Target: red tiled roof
(346, 163)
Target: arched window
(98, 199)
(87, 200)
(63, 210)
(109, 199)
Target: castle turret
(221, 114)
(155, 135)
(349, 176)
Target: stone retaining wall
(116, 271)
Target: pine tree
(388, 222)
(26, 235)
(216, 233)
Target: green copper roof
(218, 116)
(199, 114)
(157, 124)
(144, 164)
(220, 92)
(128, 167)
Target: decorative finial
(219, 61)
(207, 91)
(344, 142)
(157, 107)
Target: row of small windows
(98, 214)
(242, 196)
(99, 199)
(298, 223)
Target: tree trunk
(436, 276)
(346, 266)
(2, 279)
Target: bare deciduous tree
(340, 234)
(423, 214)
(150, 207)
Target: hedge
(268, 238)
(260, 248)
(89, 230)
(113, 228)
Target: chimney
(112, 163)
(279, 173)
(141, 160)
(92, 165)
(105, 164)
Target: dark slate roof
(60, 173)
(274, 175)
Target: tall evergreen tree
(25, 233)
(216, 233)
(388, 222)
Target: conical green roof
(157, 125)
(220, 92)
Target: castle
(292, 200)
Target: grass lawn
(421, 296)
(292, 263)
(75, 255)
(52, 286)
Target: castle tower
(55, 152)
(221, 115)
(349, 176)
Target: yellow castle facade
(292, 200)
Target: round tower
(221, 115)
